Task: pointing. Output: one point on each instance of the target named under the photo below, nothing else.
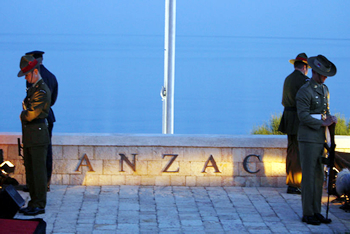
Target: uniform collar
(318, 88)
(33, 85)
(299, 71)
(315, 85)
(37, 82)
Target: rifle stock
(330, 163)
(19, 147)
(331, 157)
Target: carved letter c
(246, 161)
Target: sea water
(112, 84)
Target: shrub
(342, 128)
(271, 128)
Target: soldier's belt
(290, 108)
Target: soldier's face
(318, 77)
(31, 77)
(321, 78)
(306, 70)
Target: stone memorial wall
(161, 160)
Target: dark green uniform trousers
(293, 167)
(36, 174)
(312, 178)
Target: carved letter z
(174, 156)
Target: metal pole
(167, 92)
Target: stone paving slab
(172, 209)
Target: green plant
(271, 128)
(342, 128)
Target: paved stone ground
(151, 209)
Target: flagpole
(167, 92)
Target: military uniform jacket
(51, 82)
(312, 98)
(290, 121)
(36, 107)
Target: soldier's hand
(24, 106)
(327, 121)
(334, 118)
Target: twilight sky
(228, 52)
(255, 18)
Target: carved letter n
(124, 158)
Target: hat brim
(332, 72)
(292, 61)
(20, 73)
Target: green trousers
(312, 177)
(36, 174)
(293, 167)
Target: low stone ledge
(157, 159)
(106, 139)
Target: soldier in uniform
(51, 82)
(290, 122)
(314, 115)
(35, 134)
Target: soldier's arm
(304, 101)
(40, 100)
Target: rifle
(19, 147)
(330, 165)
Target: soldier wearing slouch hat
(314, 115)
(35, 134)
(290, 121)
(51, 81)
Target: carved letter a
(213, 164)
(88, 164)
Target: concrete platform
(180, 209)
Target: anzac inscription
(209, 163)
